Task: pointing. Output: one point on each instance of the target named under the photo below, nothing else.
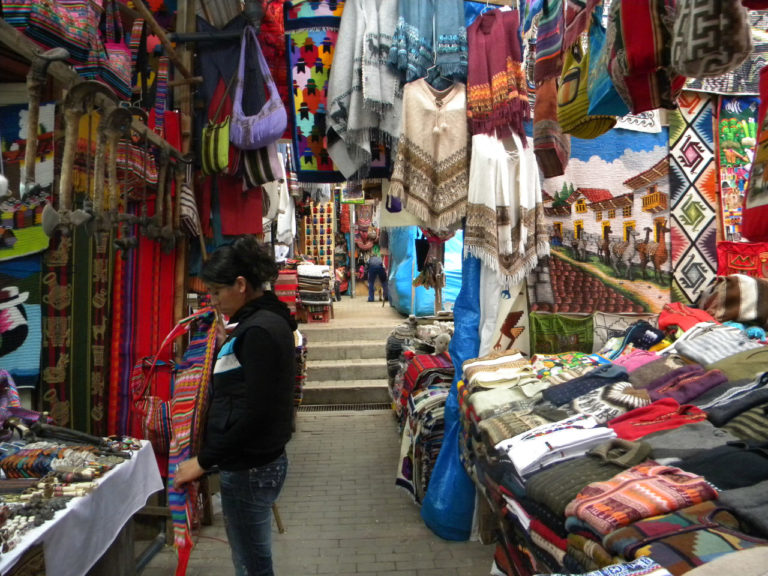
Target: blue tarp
(402, 271)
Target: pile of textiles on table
(419, 381)
(657, 449)
(314, 284)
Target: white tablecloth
(78, 535)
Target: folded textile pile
(314, 284)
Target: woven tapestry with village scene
(608, 223)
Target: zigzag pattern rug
(693, 196)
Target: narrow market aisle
(342, 512)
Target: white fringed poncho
(504, 225)
(431, 168)
(364, 93)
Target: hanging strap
(161, 94)
(215, 117)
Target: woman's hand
(187, 471)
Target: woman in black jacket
(249, 418)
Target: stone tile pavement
(342, 512)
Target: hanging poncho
(364, 93)
(426, 36)
(432, 163)
(505, 227)
(497, 95)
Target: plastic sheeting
(402, 270)
(449, 503)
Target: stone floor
(341, 511)
(340, 507)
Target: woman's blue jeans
(247, 497)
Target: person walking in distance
(250, 414)
(376, 270)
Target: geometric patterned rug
(693, 195)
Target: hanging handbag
(69, 24)
(110, 60)
(266, 126)
(603, 97)
(215, 140)
(573, 100)
(262, 165)
(710, 38)
(189, 217)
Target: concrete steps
(346, 364)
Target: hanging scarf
(549, 42)
(497, 100)
(504, 211)
(432, 164)
(419, 28)
(364, 109)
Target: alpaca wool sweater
(432, 164)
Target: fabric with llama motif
(607, 219)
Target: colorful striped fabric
(188, 411)
(642, 491)
(549, 42)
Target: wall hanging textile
(639, 61)
(504, 209)
(549, 42)
(745, 78)
(608, 224)
(573, 99)
(556, 333)
(272, 40)
(365, 105)
(427, 37)
(755, 213)
(21, 325)
(737, 136)
(512, 328)
(693, 196)
(497, 94)
(57, 325)
(750, 258)
(738, 298)
(311, 36)
(709, 39)
(432, 166)
(251, 131)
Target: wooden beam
(23, 46)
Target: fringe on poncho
(505, 224)
(497, 94)
(432, 163)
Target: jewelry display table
(80, 534)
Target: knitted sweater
(557, 485)
(431, 169)
(661, 415)
(640, 492)
(597, 378)
(673, 445)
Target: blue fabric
(247, 497)
(449, 503)
(402, 271)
